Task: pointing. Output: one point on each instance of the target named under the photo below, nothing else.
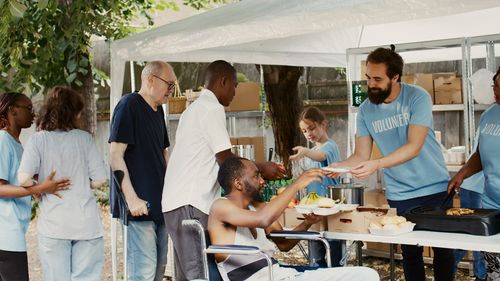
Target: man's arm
(137, 206)
(221, 156)
(362, 152)
(286, 245)
(226, 211)
(269, 170)
(416, 139)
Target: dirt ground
(293, 257)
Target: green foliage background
(46, 42)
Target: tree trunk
(280, 85)
(89, 114)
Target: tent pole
(132, 76)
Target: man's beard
(377, 95)
(254, 191)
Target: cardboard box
(423, 80)
(293, 218)
(375, 198)
(258, 146)
(247, 97)
(447, 89)
(383, 247)
(357, 221)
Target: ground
(294, 256)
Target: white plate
(337, 169)
(326, 211)
(305, 209)
(392, 232)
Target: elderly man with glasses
(139, 147)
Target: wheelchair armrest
(234, 250)
(299, 235)
(305, 235)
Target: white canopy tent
(302, 32)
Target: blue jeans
(471, 199)
(413, 262)
(71, 260)
(147, 251)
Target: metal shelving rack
(356, 55)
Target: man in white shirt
(202, 144)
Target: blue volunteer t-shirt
(489, 149)
(15, 213)
(388, 126)
(145, 133)
(331, 150)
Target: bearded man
(398, 117)
(241, 217)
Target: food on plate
(292, 203)
(400, 219)
(325, 203)
(375, 225)
(310, 199)
(389, 220)
(459, 211)
(390, 226)
(405, 224)
(394, 222)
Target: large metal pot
(351, 193)
(244, 150)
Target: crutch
(123, 218)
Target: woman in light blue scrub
(16, 113)
(487, 159)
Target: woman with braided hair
(16, 113)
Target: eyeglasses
(170, 85)
(28, 107)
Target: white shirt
(191, 177)
(74, 155)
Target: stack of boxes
(444, 88)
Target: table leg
(359, 252)
(391, 256)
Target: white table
(428, 238)
(424, 238)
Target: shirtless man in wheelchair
(242, 218)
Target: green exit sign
(359, 92)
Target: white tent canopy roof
(302, 33)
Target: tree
(47, 43)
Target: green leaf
(71, 65)
(78, 83)
(71, 77)
(84, 62)
(42, 4)
(83, 70)
(16, 9)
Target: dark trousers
(413, 262)
(13, 266)
(187, 242)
